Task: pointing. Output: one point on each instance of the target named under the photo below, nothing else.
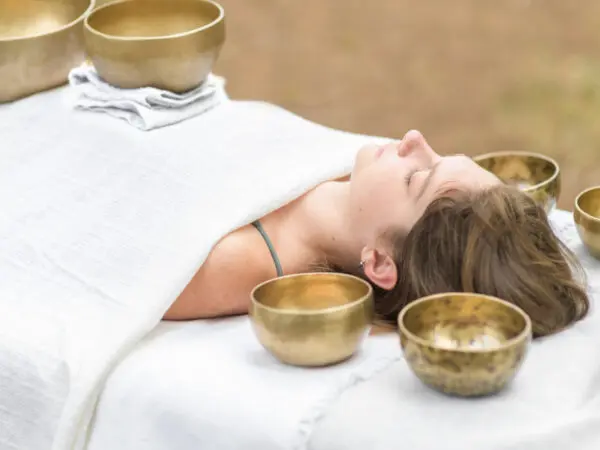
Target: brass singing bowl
(587, 219)
(167, 44)
(314, 319)
(100, 3)
(533, 173)
(40, 42)
(464, 344)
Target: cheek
(417, 183)
(392, 184)
(380, 192)
(375, 182)
(365, 188)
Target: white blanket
(101, 227)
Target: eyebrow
(427, 181)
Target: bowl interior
(589, 202)
(153, 18)
(464, 322)
(311, 292)
(522, 170)
(26, 18)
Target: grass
(473, 75)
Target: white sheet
(209, 385)
(554, 403)
(101, 226)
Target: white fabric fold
(145, 108)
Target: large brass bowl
(533, 173)
(168, 44)
(464, 344)
(40, 42)
(587, 219)
(314, 319)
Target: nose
(415, 146)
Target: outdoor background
(473, 75)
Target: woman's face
(391, 185)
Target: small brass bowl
(40, 42)
(533, 173)
(587, 219)
(313, 319)
(167, 44)
(464, 344)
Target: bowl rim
(580, 210)
(93, 30)
(546, 158)
(524, 334)
(311, 312)
(82, 17)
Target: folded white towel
(145, 108)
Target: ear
(379, 267)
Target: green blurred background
(473, 75)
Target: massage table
(553, 404)
(85, 362)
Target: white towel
(145, 108)
(101, 227)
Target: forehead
(456, 173)
(460, 165)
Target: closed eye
(427, 180)
(410, 175)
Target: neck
(324, 225)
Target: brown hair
(496, 242)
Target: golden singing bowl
(40, 42)
(533, 173)
(464, 344)
(167, 44)
(587, 219)
(314, 319)
(100, 3)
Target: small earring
(361, 265)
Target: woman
(410, 222)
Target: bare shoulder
(222, 286)
(237, 247)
